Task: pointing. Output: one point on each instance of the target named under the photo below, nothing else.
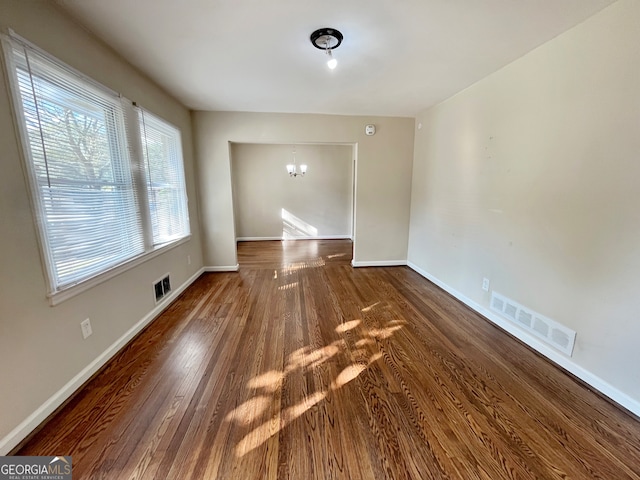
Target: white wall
(530, 178)
(268, 203)
(41, 347)
(383, 175)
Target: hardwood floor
(299, 366)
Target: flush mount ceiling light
(327, 39)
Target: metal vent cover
(162, 287)
(549, 331)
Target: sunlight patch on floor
(366, 309)
(270, 381)
(288, 286)
(306, 359)
(346, 326)
(249, 410)
(348, 374)
(383, 333)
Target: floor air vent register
(549, 331)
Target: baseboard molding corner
(559, 359)
(21, 432)
(223, 268)
(379, 263)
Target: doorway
(269, 204)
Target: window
(100, 200)
(162, 150)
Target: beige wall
(270, 203)
(41, 347)
(530, 178)
(383, 175)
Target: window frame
(132, 143)
(147, 119)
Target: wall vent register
(549, 331)
(162, 287)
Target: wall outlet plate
(485, 284)
(85, 325)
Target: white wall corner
(566, 363)
(48, 407)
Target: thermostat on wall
(370, 129)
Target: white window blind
(100, 198)
(162, 151)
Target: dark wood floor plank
(299, 366)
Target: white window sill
(56, 298)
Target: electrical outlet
(85, 325)
(188, 259)
(485, 284)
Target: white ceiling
(397, 58)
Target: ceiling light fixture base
(326, 38)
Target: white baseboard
(583, 374)
(257, 239)
(320, 237)
(47, 408)
(379, 263)
(224, 268)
